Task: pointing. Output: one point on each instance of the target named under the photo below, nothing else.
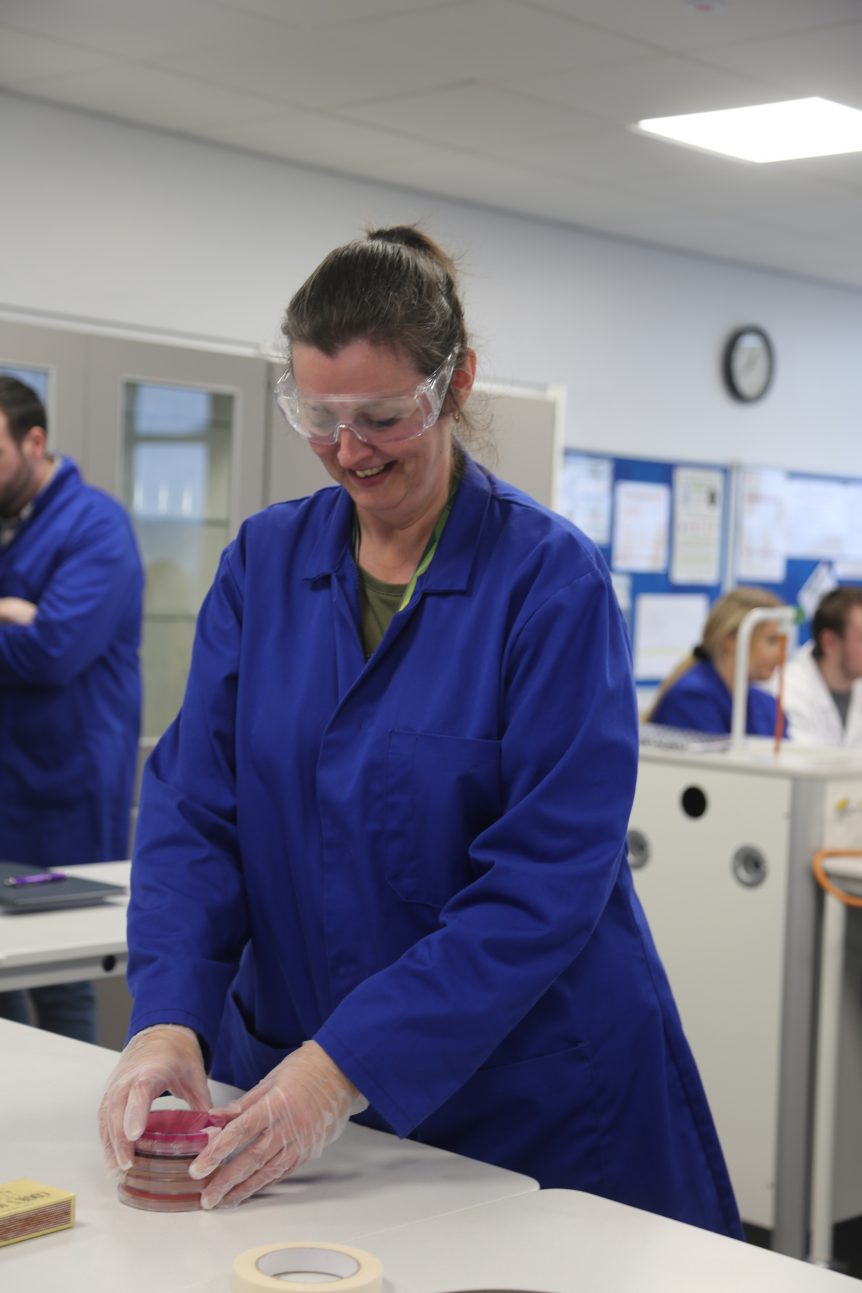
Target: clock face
(748, 363)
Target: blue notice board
(663, 528)
(818, 524)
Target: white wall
(103, 221)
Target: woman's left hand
(288, 1118)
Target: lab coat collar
(66, 473)
(453, 562)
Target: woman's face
(764, 652)
(400, 482)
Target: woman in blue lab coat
(380, 867)
(698, 695)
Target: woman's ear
(464, 376)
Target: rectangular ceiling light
(768, 132)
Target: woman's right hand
(164, 1058)
(15, 610)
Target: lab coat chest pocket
(441, 791)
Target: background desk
(50, 1089)
(63, 946)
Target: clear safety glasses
(373, 419)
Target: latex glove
(287, 1119)
(164, 1058)
(15, 610)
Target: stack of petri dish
(158, 1180)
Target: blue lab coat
(70, 691)
(420, 861)
(701, 702)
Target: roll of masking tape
(306, 1267)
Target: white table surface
(41, 947)
(50, 1089)
(560, 1241)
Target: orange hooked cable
(849, 899)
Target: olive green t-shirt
(378, 602)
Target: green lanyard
(428, 555)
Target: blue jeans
(65, 1008)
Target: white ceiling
(517, 104)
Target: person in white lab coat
(823, 682)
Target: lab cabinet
(722, 846)
(179, 436)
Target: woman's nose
(350, 447)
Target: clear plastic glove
(165, 1058)
(288, 1118)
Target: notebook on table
(49, 895)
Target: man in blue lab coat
(381, 857)
(71, 588)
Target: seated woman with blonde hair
(698, 695)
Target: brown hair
(22, 406)
(395, 288)
(832, 614)
(725, 617)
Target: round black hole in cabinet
(108, 963)
(693, 801)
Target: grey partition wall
(53, 362)
(526, 434)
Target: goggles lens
(374, 419)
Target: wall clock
(749, 363)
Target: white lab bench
(437, 1221)
(722, 845)
(50, 1089)
(38, 948)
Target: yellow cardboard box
(29, 1208)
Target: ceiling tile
(471, 116)
(171, 102)
(646, 87)
(844, 170)
(326, 13)
(126, 30)
(23, 56)
(677, 25)
(384, 57)
(600, 156)
(478, 40)
(517, 104)
(312, 139)
(310, 68)
(826, 62)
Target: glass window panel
(35, 377)
(177, 486)
(177, 459)
(166, 653)
(169, 480)
(180, 561)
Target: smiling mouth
(372, 471)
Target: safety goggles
(373, 419)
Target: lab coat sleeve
(79, 610)
(411, 1035)
(187, 920)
